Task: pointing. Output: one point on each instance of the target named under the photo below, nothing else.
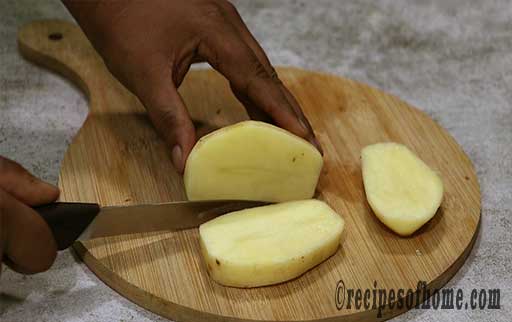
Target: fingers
(253, 112)
(168, 113)
(22, 185)
(296, 107)
(154, 80)
(27, 242)
(236, 20)
(225, 50)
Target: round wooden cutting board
(117, 159)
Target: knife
(71, 221)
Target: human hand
(150, 45)
(26, 241)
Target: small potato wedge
(403, 192)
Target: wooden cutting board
(117, 159)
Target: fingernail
(316, 143)
(46, 192)
(55, 191)
(45, 185)
(305, 127)
(176, 155)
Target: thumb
(169, 115)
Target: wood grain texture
(117, 158)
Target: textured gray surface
(453, 59)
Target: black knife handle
(67, 220)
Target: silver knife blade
(120, 220)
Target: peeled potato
(252, 161)
(402, 190)
(269, 244)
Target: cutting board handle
(62, 46)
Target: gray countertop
(451, 58)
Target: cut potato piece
(402, 190)
(269, 244)
(252, 160)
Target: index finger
(233, 58)
(21, 184)
(246, 35)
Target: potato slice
(252, 160)
(402, 190)
(269, 244)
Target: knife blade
(71, 221)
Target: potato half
(402, 190)
(269, 244)
(252, 160)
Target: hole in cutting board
(55, 36)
